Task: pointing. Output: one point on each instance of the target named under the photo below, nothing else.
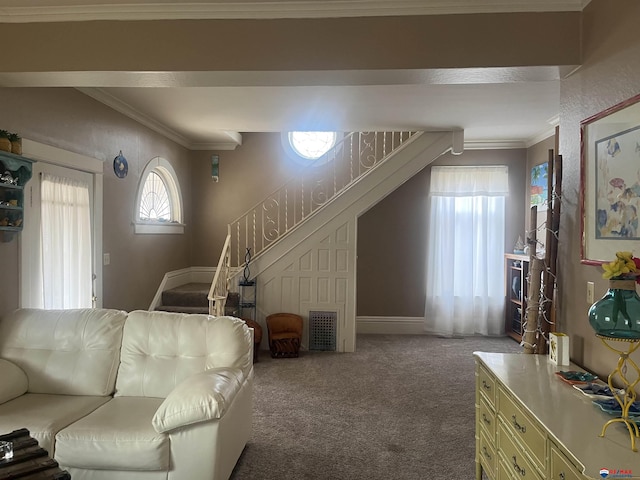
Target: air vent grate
(322, 330)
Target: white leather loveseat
(143, 395)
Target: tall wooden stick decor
(529, 337)
(539, 318)
(551, 250)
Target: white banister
(302, 196)
(220, 285)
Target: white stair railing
(220, 285)
(301, 197)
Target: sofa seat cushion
(45, 415)
(117, 436)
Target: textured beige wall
(392, 236)
(515, 39)
(247, 175)
(67, 119)
(609, 75)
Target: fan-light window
(159, 201)
(154, 203)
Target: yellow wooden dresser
(530, 425)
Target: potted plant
(5, 143)
(16, 143)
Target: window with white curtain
(66, 243)
(465, 252)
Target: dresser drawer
(488, 455)
(487, 419)
(503, 472)
(516, 462)
(487, 385)
(523, 428)
(561, 467)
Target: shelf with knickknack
(516, 271)
(15, 172)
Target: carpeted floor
(401, 407)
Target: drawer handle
(521, 428)
(486, 453)
(561, 475)
(485, 419)
(517, 467)
(486, 385)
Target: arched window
(307, 147)
(159, 201)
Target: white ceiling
(507, 107)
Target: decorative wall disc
(120, 166)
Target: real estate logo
(615, 473)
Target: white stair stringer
(314, 266)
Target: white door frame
(57, 156)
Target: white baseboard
(390, 325)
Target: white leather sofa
(140, 395)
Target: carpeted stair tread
(183, 309)
(188, 295)
(192, 298)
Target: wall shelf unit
(18, 169)
(516, 291)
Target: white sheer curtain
(465, 254)
(66, 243)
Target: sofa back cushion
(161, 349)
(67, 352)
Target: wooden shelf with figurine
(15, 172)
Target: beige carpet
(401, 407)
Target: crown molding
(235, 138)
(494, 144)
(216, 145)
(148, 10)
(540, 137)
(126, 109)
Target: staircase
(317, 212)
(192, 298)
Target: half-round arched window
(159, 201)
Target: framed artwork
(540, 186)
(610, 182)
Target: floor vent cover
(322, 330)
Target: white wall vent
(322, 330)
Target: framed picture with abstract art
(610, 182)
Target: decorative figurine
(7, 178)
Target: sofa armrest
(201, 397)
(14, 381)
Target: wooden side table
(257, 336)
(29, 459)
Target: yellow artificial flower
(622, 265)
